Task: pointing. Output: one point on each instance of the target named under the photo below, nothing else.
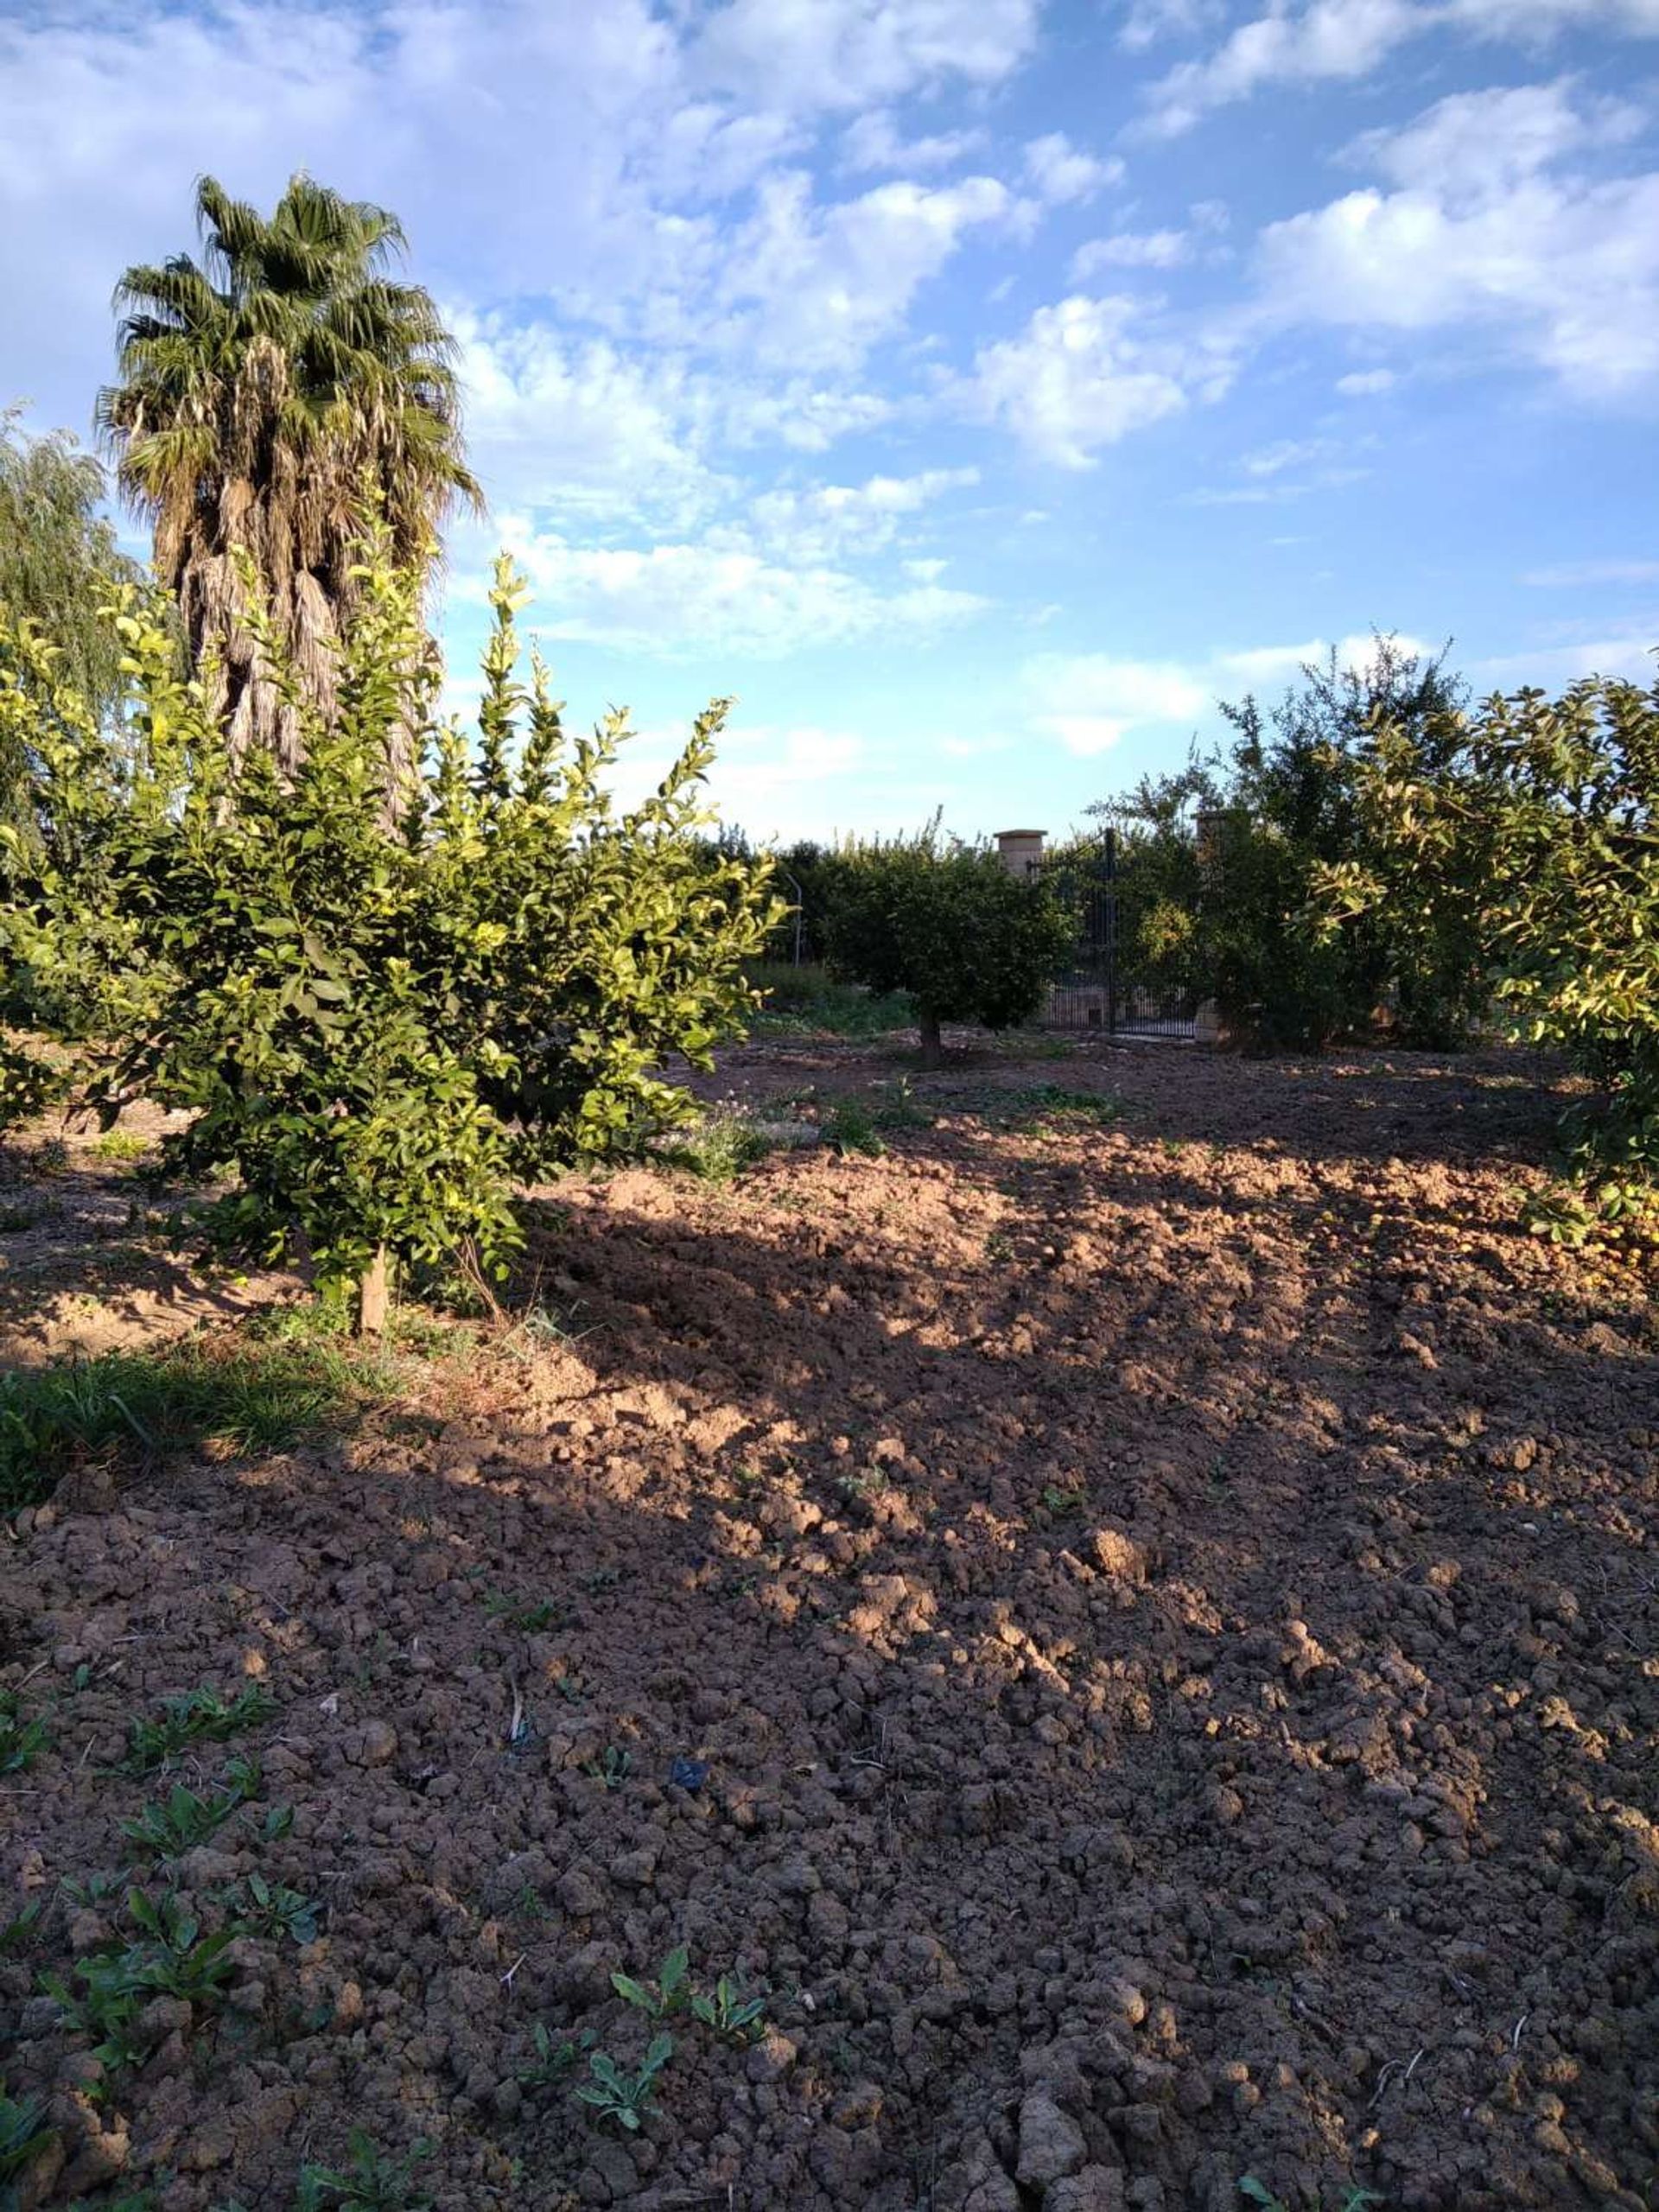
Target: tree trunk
(932, 1042)
(374, 1295)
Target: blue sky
(978, 388)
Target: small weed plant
(730, 2011)
(22, 1741)
(370, 2181)
(199, 1716)
(184, 1819)
(25, 2137)
(627, 2099)
(553, 2060)
(670, 1994)
(1259, 2194)
(171, 1957)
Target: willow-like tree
(261, 390)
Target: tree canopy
(260, 390)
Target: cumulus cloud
(675, 600)
(1332, 42)
(873, 140)
(1130, 250)
(853, 54)
(1060, 173)
(831, 522)
(1090, 701)
(1486, 230)
(1081, 376)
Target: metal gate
(1097, 988)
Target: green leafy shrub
(947, 924)
(29, 1085)
(1217, 867)
(381, 993)
(1532, 826)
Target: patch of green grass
(808, 1000)
(199, 1716)
(716, 1149)
(121, 1144)
(848, 1127)
(247, 1392)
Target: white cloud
(1078, 379)
(1148, 21)
(705, 599)
(1059, 174)
(1362, 383)
(871, 140)
(577, 426)
(1263, 664)
(1089, 701)
(1573, 574)
(1560, 269)
(854, 54)
(1631, 657)
(831, 522)
(1329, 41)
(813, 287)
(1130, 250)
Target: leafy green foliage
(947, 924)
(553, 2060)
(1258, 2193)
(370, 2181)
(22, 1741)
(262, 391)
(1217, 867)
(809, 1000)
(59, 560)
(730, 2011)
(249, 1393)
(629, 2099)
(719, 1148)
(24, 2136)
(198, 1716)
(170, 1957)
(380, 990)
(185, 1818)
(1532, 827)
(670, 1994)
(270, 1909)
(29, 1085)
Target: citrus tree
(949, 923)
(1531, 826)
(382, 995)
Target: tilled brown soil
(1166, 1610)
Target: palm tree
(261, 391)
